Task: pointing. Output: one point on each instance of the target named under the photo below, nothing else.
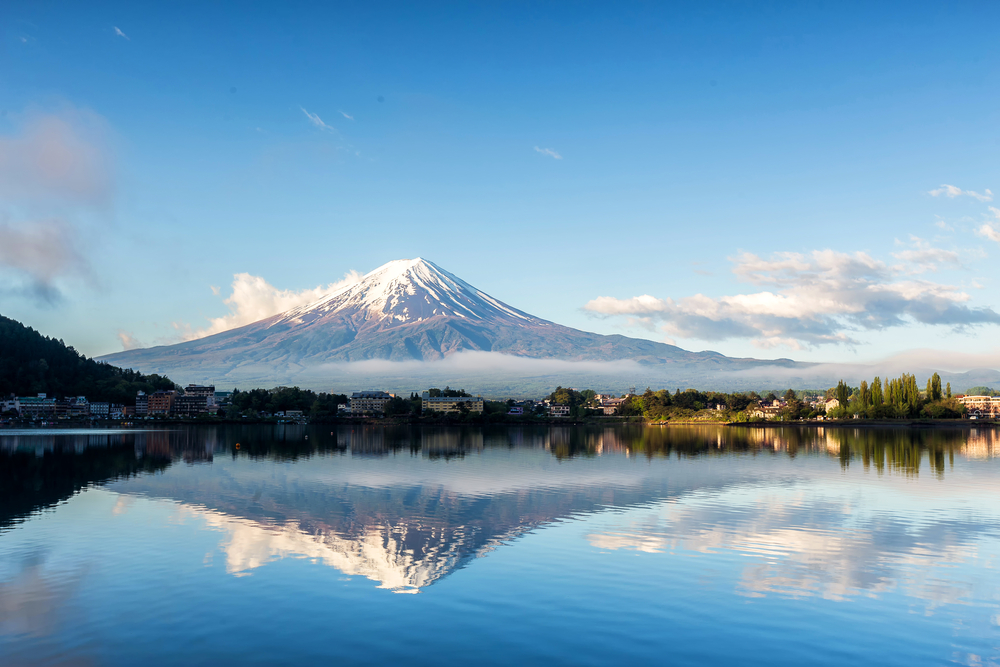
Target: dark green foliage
(286, 398)
(31, 363)
(447, 392)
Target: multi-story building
(100, 410)
(981, 407)
(450, 404)
(160, 402)
(199, 390)
(141, 404)
(610, 405)
(189, 405)
(557, 410)
(369, 402)
(74, 407)
(36, 407)
(116, 411)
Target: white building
(369, 402)
(556, 410)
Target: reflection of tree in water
(30, 481)
(898, 450)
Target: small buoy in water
(307, 437)
(237, 445)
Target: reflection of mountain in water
(406, 506)
(404, 521)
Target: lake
(425, 546)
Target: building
(831, 404)
(761, 411)
(116, 411)
(160, 402)
(610, 405)
(369, 402)
(189, 405)
(450, 404)
(208, 392)
(74, 407)
(36, 407)
(516, 410)
(556, 410)
(100, 410)
(981, 407)
(141, 404)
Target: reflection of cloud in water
(32, 601)
(380, 553)
(806, 546)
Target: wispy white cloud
(254, 299)
(952, 191)
(548, 151)
(317, 121)
(129, 341)
(346, 115)
(816, 298)
(989, 229)
(921, 257)
(118, 31)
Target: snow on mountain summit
(406, 291)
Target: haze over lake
(568, 545)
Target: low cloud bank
(483, 362)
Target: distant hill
(31, 363)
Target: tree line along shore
(31, 363)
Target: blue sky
(704, 156)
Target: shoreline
(605, 421)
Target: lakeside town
(900, 399)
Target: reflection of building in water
(442, 442)
(980, 444)
(363, 440)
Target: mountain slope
(405, 310)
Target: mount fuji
(413, 311)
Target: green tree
(877, 398)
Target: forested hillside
(32, 363)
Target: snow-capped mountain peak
(406, 291)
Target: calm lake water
(298, 545)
